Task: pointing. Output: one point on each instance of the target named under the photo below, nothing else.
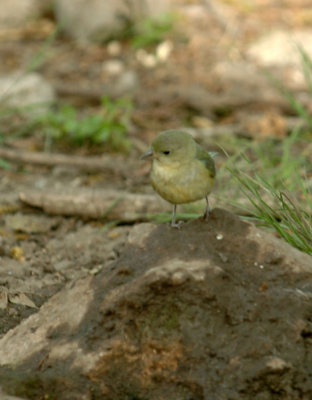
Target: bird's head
(172, 146)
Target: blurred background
(102, 78)
(177, 62)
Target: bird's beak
(148, 154)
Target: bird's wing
(203, 156)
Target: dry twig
(109, 204)
(111, 163)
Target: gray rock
(242, 84)
(113, 67)
(100, 20)
(16, 12)
(126, 84)
(26, 90)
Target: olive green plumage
(182, 171)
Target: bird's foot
(205, 217)
(176, 225)
(207, 210)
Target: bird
(182, 171)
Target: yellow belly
(182, 184)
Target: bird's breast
(181, 183)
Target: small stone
(20, 90)
(148, 60)
(277, 364)
(21, 299)
(113, 67)
(126, 83)
(164, 50)
(178, 278)
(114, 48)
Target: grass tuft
(279, 208)
(275, 177)
(108, 127)
(152, 31)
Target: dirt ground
(41, 253)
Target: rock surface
(16, 12)
(280, 48)
(100, 20)
(26, 90)
(4, 396)
(216, 310)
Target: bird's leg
(207, 209)
(175, 224)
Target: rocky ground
(95, 304)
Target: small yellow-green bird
(182, 171)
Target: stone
(102, 20)
(113, 67)
(16, 12)
(280, 48)
(26, 90)
(171, 319)
(243, 84)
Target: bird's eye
(166, 152)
